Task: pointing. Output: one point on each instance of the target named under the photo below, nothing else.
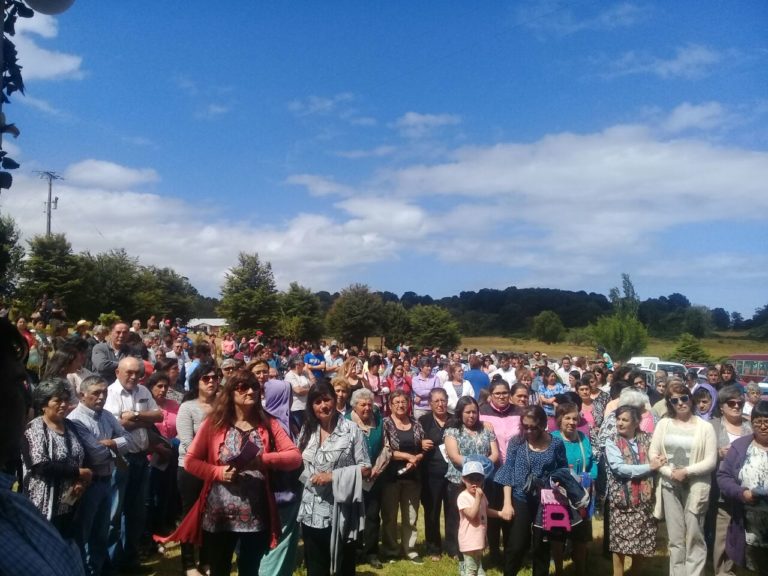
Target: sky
(411, 146)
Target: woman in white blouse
(456, 386)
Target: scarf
(277, 402)
(631, 493)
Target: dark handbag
(533, 485)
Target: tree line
(116, 282)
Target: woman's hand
(427, 445)
(507, 513)
(85, 476)
(749, 497)
(229, 474)
(679, 474)
(321, 478)
(657, 462)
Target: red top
(200, 461)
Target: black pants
(498, 529)
(189, 487)
(369, 544)
(317, 553)
(435, 497)
(221, 546)
(522, 537)
(452, 520)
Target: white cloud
(319, 104)
(686, 116)
(319, 185)
(565, 18)
(378, 152)
(213, 110)
(41, 105)
(40, 63)
(416, 125)
(691, 62)
(108, 175)
(568, 210)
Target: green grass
(597, 564)
(718, 346)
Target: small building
(207, 325)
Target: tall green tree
(355, 315)
(300, 315)
(11, 255)
(622, 333)
(396, 324)
(548, 327)
(433, 326)
(689, 349)
(697, 321)
(51, 269)
(113, 279)
(249, 297)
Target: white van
(644, 361)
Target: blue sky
(432, 147)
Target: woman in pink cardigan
(233, 452)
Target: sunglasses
(208, 378)
(735, 403)
(681, 399)
(243, 387)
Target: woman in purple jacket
(743, 480)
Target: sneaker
(416, 559)
(461, 568)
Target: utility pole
(52, 204)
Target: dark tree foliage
(721, 320)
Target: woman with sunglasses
(197, 404)
(233, 453)
(530, 461)
(689, 446)
(743, 479)
(728, 427)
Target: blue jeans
(128, 513)
(92, 524)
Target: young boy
(473, 518)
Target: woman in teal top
(368, 418)
(578, 452)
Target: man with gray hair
(105, 440)
(133, 405)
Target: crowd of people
(138, 435)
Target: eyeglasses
(680, 399)
(760, 423)
(735, 403)
(209, 378)
(500, 394)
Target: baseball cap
(472, 467)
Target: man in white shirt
(506, 369)
(565, 369)
(132, 404)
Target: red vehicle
(750, 367)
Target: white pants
(687, 548)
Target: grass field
(597, 563)
(718, 347)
